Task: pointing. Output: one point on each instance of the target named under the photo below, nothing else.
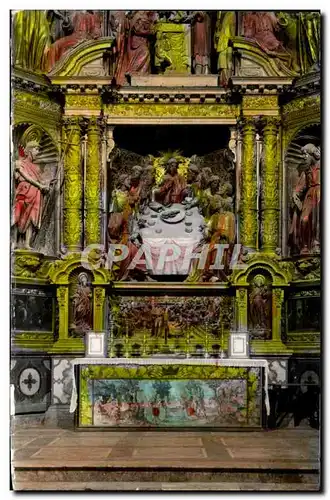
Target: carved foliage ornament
(301, 104)
(83, 101)
(260, 102)
(30, 266)
(173, 110)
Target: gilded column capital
(248, 125)
(270, 124)
(72, 122)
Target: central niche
(171, 195)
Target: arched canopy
(279, 272)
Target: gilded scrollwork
(302, 103)
(173, 110)
(260, 102)
(83, 101)
(36, 101)
(29, 265)
(307, 269)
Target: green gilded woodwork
(92, 185)
(30, 264)
(149, 110)
(36, 101)
(82, 101)
(72, 187)
(241, 308)
(62, 293)
(83, 54)
(248, 209)
(301, 103)
(98, 309)
(31, 39)
(260, 102)
(270, 188)
(173, 47)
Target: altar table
(169, 393)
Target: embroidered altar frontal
(169, 396)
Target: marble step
(159, 486)
(162, 475)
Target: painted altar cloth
(179, 389)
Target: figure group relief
(171, 199)
(147, 42)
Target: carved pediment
(252, 60)
(85, 59)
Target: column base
(68, 345)
(59, 416)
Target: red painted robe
(201, 42)
(172, 190)
(85, 26)
(133, 46)
(28, 199)
(305, 228)
(261, 26)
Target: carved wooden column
(270, 209)
(99, 302)
(241, 308)
(93, 208)
(62, 294)
(72, 186)
(278, 298)
(248, 204)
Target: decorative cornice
(165, 95)
(260, 85)
(26, 80)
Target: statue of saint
(119, 211)
(304, 234)
(263, 27)
(201, 43)
(86, 24)
(260, 305)
(133, 51)
(172, 189)
(82, 318)
(28, 201)
(225, 29)
(192, 190)
(309, 40)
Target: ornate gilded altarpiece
(92, 186)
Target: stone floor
(58, 459)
